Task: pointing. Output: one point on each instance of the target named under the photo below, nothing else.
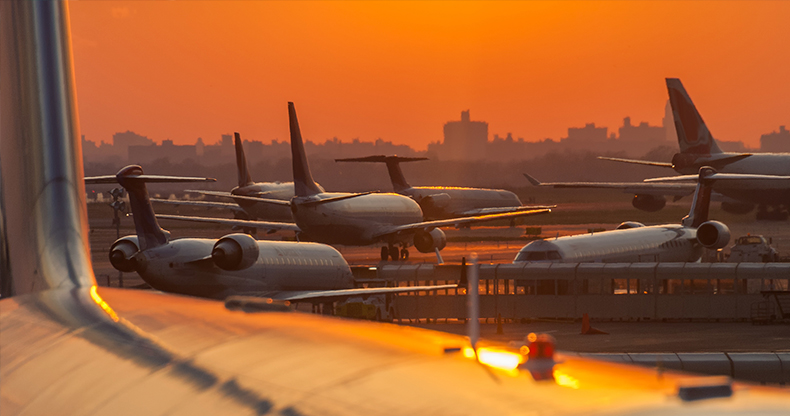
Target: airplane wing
(222, 194)
(333, 295)
(455, 222)
(266, 225)
(641, 188)
(501, 210)
(112, 179)
(718, 176)
(205, 204)
(637, 162)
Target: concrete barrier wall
(616, 291)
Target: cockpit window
(538, 256)
(554, 255)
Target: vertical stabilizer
(241, 162)
(149, 233)
(304, 185)
(693, 135)
(701, 203)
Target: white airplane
(356, 219)
(246, 194)
(234, 265)
(634, 242)
(698, 148)
(439, 202)
(72, 348)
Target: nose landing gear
(393, 253)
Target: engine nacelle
(235, 252)
(713, 235)
(739, 208)
(435, 201)
(649, 203)
(629, 224)
(428, 242)
(122, 253)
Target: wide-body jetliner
(439, 202)
(70, 347)
(245, 194)
(236, 264)
(357, 219)
(698, 148)
(634, 242)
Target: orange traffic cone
(587, 329)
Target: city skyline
(397, 71)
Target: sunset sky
(399, 70)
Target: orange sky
(399, 70)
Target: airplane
(71, 347)
(357, 219)
(440, 202)
(234, 265)
(245, 194)
(635, 242)
(698, 148)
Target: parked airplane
(245, 194)
(357, 219)
(72, 348)
(439, 202)
(634, 242)
(236, 264)
(698, 148)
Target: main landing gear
(394, 253)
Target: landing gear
(404, 253)
(385, 253)
(394, 253)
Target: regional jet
(634, 242)
(358, 219)
(698, 148)
(440, 202)
(72, 348)
(236, 264)
(246, 193)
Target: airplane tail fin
(393, 167)
(693, 135)
(149, 233)
(241, 162)
(304, 185)
(700, 206)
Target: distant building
(465, 139)
(167, 150)
(776, 142)
(587, 135)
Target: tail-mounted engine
(428, 242)
(649, 203)
(435, 201)
(122, 254)
(713, 235)
(235, 252)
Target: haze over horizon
(399, 71)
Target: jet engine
(122, 253)
(739, 208)
(435, 201)
(427, 242)
(235, 252)
(713, 235)
(629, 224)
(649, 203)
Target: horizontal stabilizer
(111, 179)
(638, 162)
(203, 204)
(262, 225)
(333, 199)
(221, 194)
(382, 159)
(532, 180)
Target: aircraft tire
(385, 253)
(404, 254)
(394, 253)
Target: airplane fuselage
(184, 266)
(353, 221)
(750, 191)
(271, 190)
(664, 243)
(440, 202)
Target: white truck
(753, 248)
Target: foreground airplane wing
(642, 188)
(455, 222)
(501, 210)
(266, 225)
(334, 295)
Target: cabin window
(698, 287)
(554, 255)
(620, 286)
(671, 286)
(723, 286)
(525, 287)
(633, 286)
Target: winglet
(532, 180)
(304, 185)
(241, 162)
(693, 135)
